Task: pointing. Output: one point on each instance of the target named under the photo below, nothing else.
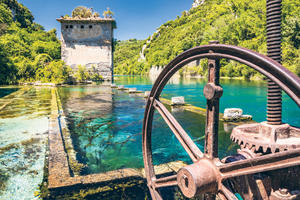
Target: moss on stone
(3, 179)
(126, 189)
(9, 147)
(74, 165)
(31, 141)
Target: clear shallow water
(248, 95)
(106, 127)
(23, 136)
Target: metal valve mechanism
(267, 165)
(208, 174)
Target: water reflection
(106, 128)
(32, 103)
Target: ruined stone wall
(89, 44)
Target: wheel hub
(198, 178)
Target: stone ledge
(98, 19)
(59, 174)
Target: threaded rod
(274, 102)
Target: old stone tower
(88, 42)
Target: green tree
(108, 13)
(82, 12)
(6, 18)
(26, 48)
(7, 69)
(21, 14)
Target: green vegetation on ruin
(235, 22)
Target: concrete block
(146, 94)
(177, 101)
(113, 85)
(121, 87)
(233, 113)
(132, 90)
(246, 117)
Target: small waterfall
(142, 53)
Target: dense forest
(27, 52)
(235, 22)
(126, 57)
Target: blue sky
(135, 18)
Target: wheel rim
(212, 91)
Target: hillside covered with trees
(235, 22)
(126, 56)
(27, 52)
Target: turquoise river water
(106, 124)
(248, 95)
(23, 138)
(106, 127)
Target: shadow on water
(6, 91)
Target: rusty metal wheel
(207, 173)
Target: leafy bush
(26, 49)
(56, 72)
(81, 73)
(84, 12)
(108, 13)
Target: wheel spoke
(184, 139)
(155, 194)
(165, 181)
(227, 193)
(261, 164)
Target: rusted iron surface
(208, 174)
(274, 105)
(212, 92)
(267, 138)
